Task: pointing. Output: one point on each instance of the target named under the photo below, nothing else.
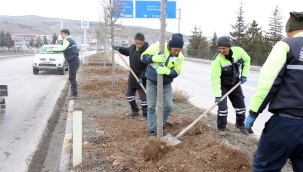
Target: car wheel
(35, 71)
(62, 72)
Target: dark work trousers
(130, 97)
(73, 66)
(281, 138)
(237, 99)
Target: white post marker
(77, 138)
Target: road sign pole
(61, 23)
(160, 77)
(85, 37)
(179, 20)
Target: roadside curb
(67, 143)
(65, 160)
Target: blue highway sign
(127, 8)
(151, 9)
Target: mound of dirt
(116, 142)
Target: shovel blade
(171, 140)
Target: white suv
(49, 61)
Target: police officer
(280, 85)
(229, 66)
(169, 64)
(71, 55)
(134, 52)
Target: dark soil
(113, 141)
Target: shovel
(142, 86)
(170, 140)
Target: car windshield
(43, 50)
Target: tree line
(39, 42)
(7, 41)
(257, 42)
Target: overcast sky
(211, 16)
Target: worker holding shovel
(137, 67)
(169, 64)
(280, 88)
(229, 66)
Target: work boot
(221, 131)
(133, 114)
(241, 128)
(144, 116)
(152, 134)
(72, 97)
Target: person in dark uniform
(229, 66)
(134, 52)
(71, 55)
(280, 87)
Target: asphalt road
(30, 103)
(195, 80)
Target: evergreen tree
(213, 46)
(239, 28)
(194, 39)
(203, 43)
(197, 43)
(197, 40)
(256, 44)
(31, 43)
(45, 40)
(2, 39)
(38, 42)
(254, 39)
(9, 40)
(275, 31)
(55, 37)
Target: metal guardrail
(257, 58)
(3, 94)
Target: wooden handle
(125, 62)
(206, 112)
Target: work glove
(159, 58)
(249, 122)
(116, 47)
(140, 81)
(243, 79)
(217, 99)
(163, 70)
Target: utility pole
(179, 20)
(160, 77)
(61, 23)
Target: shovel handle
(206, 112)
(128, 66)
